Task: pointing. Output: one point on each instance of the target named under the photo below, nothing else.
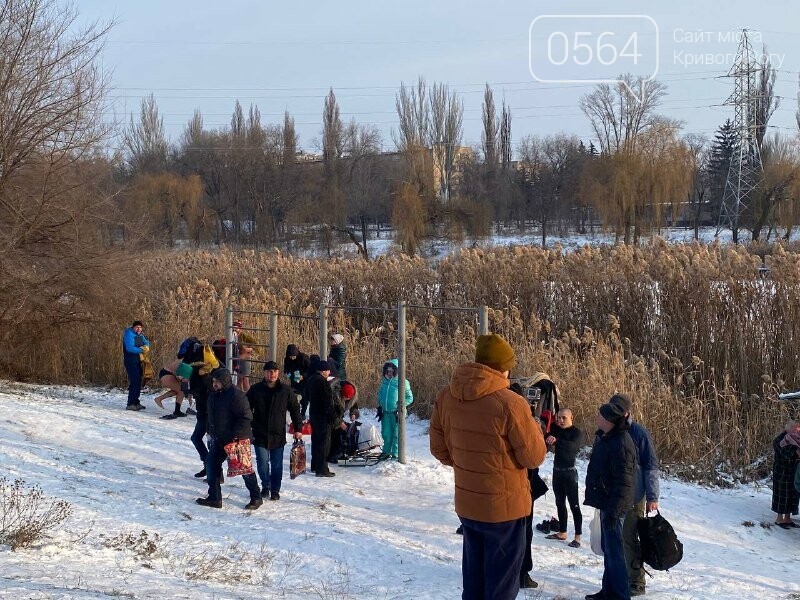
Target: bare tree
(55, 204)
(145, 140)
(444, 134)
(490, 130)
(767, 102)
(619, 114)
(505, 136)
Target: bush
(26, 515)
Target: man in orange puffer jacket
(487, 434)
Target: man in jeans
(645, 495)
(269, 400)
(487, 434)
(609, 488)
(229, 419)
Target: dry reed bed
(701, 341)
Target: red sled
(305, 430)
(297, 459)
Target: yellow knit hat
(494, 352)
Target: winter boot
(274, 496)
(208, 502)
(526, 583)
(201, 473)
(254, 503)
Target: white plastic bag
(595, 533)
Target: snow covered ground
(377, 532)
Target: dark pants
(134, 371)
(615, 576)
(492, 559)
(216, 457)
(200, 428)
(336, 443)
(527, 559)
(565, 488)
(633, 550)
(320, 445)
(269, 464)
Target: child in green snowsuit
(387, 406)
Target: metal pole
(229, 338)
(323, 332)
(483, 320)
(401, 382)
(273, 336)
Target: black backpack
(661, 548)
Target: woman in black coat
(785, 498)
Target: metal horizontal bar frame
(253, 329)
(372, 308)
(236, 311)
(445, 308)
(312, 318)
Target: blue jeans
(198, 434)
(214, 461)
(269, 464)
(492, 559)
(615, 574)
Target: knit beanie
(611, 413)
(494, 352)
(623, 401)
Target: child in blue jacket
(387, 406)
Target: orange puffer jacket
(487, 434)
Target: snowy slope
(377, 532)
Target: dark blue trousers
(214, 461)
(615, 574)
(134, 371)
(492, 559)
(200, 428)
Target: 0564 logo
(592, 48)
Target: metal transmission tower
(746, 170)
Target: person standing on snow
(609, 488)
(338, 353)
(229, 419)
(295, 366)
(321, 411)
(134, 345)
(387, 406)
(487, 434)
(645, 494)
(270, 400)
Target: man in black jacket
(269, 400)
(321, 409)
(229, 419)
(609, 488)
(295, 367)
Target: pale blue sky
(201, 54)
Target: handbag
(297, 459)
(240, 458)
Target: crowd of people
(482, 425)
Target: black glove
(380, 414)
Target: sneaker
(178, 414)
(201, 473)
(209, 502)
(254, 503)
(526, 583)
(601, 595)
(169, 417)
(275, 496)
(190, 411)
(544, 526)
(326, 474)
(136, 407)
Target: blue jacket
(387, 394)
(132, 343)
(645, 482)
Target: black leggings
(565, 487)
